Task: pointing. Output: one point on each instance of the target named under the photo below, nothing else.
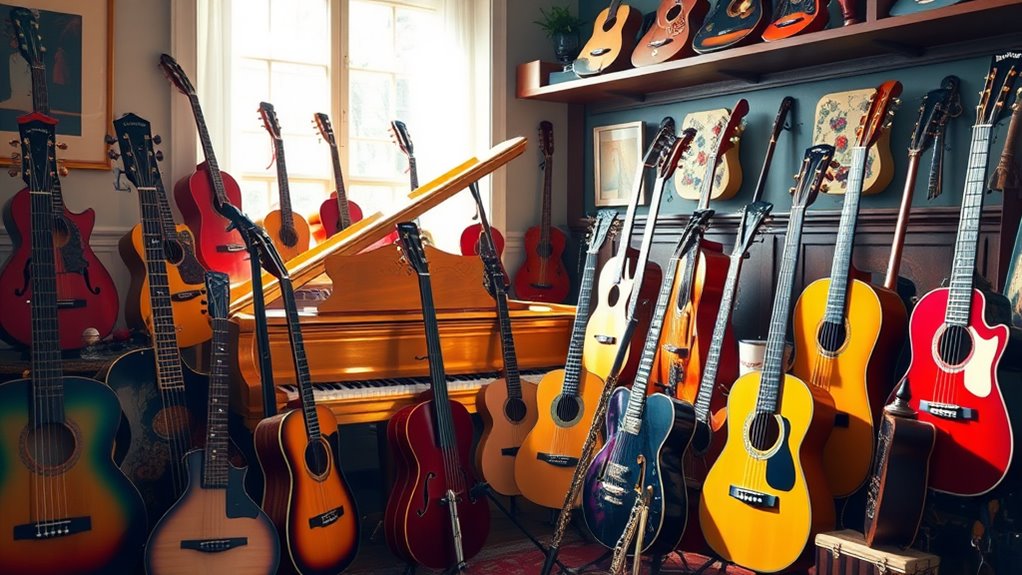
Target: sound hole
(61, 232)
(289, 237)
(831, 336)
(317, 458)
(49, 448)
(613, 295)
(609, 23)
(568, 408)
(954, 345)
(514, 409)
(739, 8)
(764, 431)
(701, 438)
(172, 422)
(544, 250)
(673, 12)
(172, 251)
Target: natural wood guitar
(670, 36)
(613, 40)
(289, 231)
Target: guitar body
(330, 214)
(858, 375)
(419, 529)
(289, 245)
(543, 277)
(982, 445)
(86, 294)
(767, 539)
(670, 36)
(903, 7)
(208, 516)
(613, 39)
(470, 240)
(217, 249)
(186, 280)
(313, 509)
(608, 493)
(82, 469)
(550, 452)
(794, 17)
(731, 23)
(506, 422)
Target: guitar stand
(585, 567)
(510, 514)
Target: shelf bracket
(901, 48)
(747, 77)
(628, 95)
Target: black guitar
(731, 23)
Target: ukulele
(542, 276)
(731, 23)
(794, 17)
(86, 295)
(566, 398)
(905, 7)
(288, 230)
(338, 212)
(956, 350)
(214, 527)
(435, 516)
(670, 36)
(218, 247)
(613, 39)
(766, 496)
(67, 509)
(847, 333)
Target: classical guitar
(731, 23)
(957, 338)
(197, 195)
(613, 40)
(766, 496)
(215, 527)
(543, 276)
(904, 7)
(86, 295)
(338, 212)
(847, 333)
(670, 36)
(435, 515)
(566, 399)
(794, 17)
(66, 506)
(289, 231)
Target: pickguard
(780, 471)
(977, 370)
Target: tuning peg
(157, 139)
(113, 154)
(15, 157)
(61, 146)
(14, 142)
(13, 171)
(110, 140)
(791, 190)
(824, 188)
(63, 171)
(159, 155)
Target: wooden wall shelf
(904, 35)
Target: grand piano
(361, 319)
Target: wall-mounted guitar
(338, 212)
(957, 337)
(903, 7)
(289, 231)
(793, 17)
(86, 295)
(731, 23)
(215, 527)
(670, 36)
(543, 276)
(613, 40)
(66, 506)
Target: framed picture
(70, 55)
(617, 154)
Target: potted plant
(564, 29)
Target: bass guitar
(338, 212)
(86, 295)
(670, 36)
(543, 276)
(435, 516)
(613, 39)
(766, 496)
(566, 399)
(66, 506)
(957, 337)
(847, 333)
(731, 23)
(289, 231)
(215, 527)
(794, 17)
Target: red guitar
(471, 238)
(543, 276)
(338, 212)
(955, 352)
(86, 296)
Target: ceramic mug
(750, 355)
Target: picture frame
(78, 65)
(617, 156)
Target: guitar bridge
(509, 451)
(557, 460)
(229, 248)
(660, 43)
(325, 519)
(70, 304)
(948, 411)
(214, 545)
(53, 528)
(605, 339)
(185, 295)
(754, 498)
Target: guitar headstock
(601, 227)
(325, 129)
(270, 122)
(218, 294)
(999, 88)
(172, 70)
(546, 139)
(732, 128)
(402, 138)
(411, 243)
(670, 156)
(810, 176)
(753, 216)
(30, 42)
(782, 112)
(881, 111)
(934, 110)
(664, 138)
(698, 221)
(37, 133)
(135, 140)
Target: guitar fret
(837, 296)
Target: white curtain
(213, 73)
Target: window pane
(371, 36)
(371, 159)
(306, 157)
(414, 44)
(306, 196)
(376, 198)
(298, 91)
(251, 26)
(256, 196)
(301, 31)
(251, 85)
(251, 150)
(370, 111)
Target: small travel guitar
(567, 399)
(289, 231)
(794, 17)
(731, 23)
(67, 509)
(217, 247)
(957, 337)
(338, 212)
(435, 516)
(670, 36)
(766, 496)
(904, 7)
(613, 39)
(86, 295)
(215, 527)
(543, 276)
(847, 333)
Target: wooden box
(846, 553)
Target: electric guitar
(289, 231)
(215, 527)
(86, 295)
(847, 333)
(670, 36)
(67, 509)
(793, 17)
(731, 23)
(956, 338)
(613, 39)
(766, 496)
(567, 399)
(338, 212)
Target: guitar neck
(837, 297)
(782, 115)
(709, 379)
(901, 228)
(47, 371)
(413, 172)
(438, 378)
(573, 365)
(301, 362)
(286, 217)
(41, 103)
(647, 241)
(216, 468)
(342, 195)
(216, 180)
(166, 215)
(545, 222)
(507, 340)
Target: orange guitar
(792, 17)
(289, 231)
(613, 39)
(670, 36)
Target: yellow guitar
(289, 231)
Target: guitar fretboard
(47, 370)
(837, 296)
(206, 142)
(301, 361)
(709, 379)
(573, 365)
(344, 215)
(217, 442)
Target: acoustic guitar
(289, 231)
(794, 17)
(567, 399)
(905, 7)
(403, 139)
(215, 527)
(731, 23)
(766, 496)
(86, 295)
(670, 36)
(67, 509)
(338, 212)
(613, 40)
